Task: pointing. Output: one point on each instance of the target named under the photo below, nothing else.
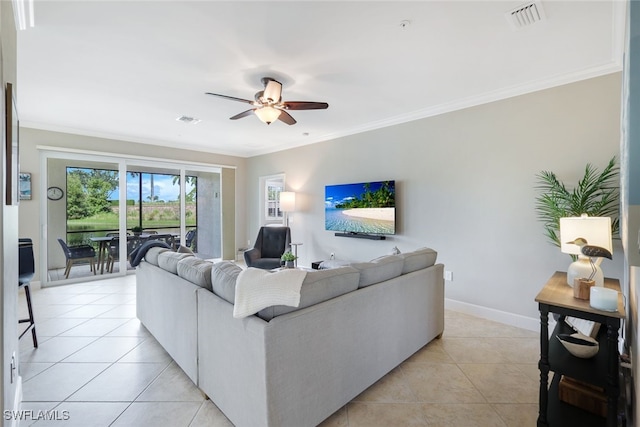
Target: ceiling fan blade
(286, 117)
(272, 89)
(304, 105)
(232, 98)
(243, 114)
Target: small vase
(288, 264)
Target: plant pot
(288, 264)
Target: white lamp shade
(595, 230)
(287, 201)
(268, 114)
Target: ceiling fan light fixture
(268, 114)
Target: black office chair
(78, 253)
(26, 271)
(270, 244)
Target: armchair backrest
(273, 241)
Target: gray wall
(465, 187)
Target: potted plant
(288, 259)
(137, 230)
(596, 194)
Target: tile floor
(97, 366)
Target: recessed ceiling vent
(525, 15)
(188, 120)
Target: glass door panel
(81, 221)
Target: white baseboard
(17, 402)
(529, 323)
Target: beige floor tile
(125, 311)
(93, 328)
(149, 351)
(84, 414)
(55, 349)
(60, 380)
(466, 326)
(87, 311)
(517, 415)
(502, 383)
(172, 385)
(131, 328)
(338, 419)
(154, 414)
(366, 414)
(462, 415)
(31, 412)
(393, 387)
(117, 298)
(210, 416)
(105, 349)
(441, 383)
(30, 370)
(473, 350)
(431, 353)
(55, 326)
(118, 383)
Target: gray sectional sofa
(291, 366)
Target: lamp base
(582, 269)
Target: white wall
(464, 186)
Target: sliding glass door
(108, 207)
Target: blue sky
(343, 192)
(162, 184)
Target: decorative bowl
(579, 345)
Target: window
(272, 199)
(153, 202)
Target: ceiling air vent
(188, 120)
(525, 15)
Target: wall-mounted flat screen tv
(366, 207)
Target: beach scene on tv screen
(367, 207)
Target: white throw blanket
(257, 289)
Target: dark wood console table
(600, 370)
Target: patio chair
(133, 242)
(78, 253)
(166, 238)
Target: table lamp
(597, 232)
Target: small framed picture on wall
(25, 186)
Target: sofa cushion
(195, 270)
(318, 286)
(223, 280)
(418, 259)
(168, 260)
(378, 270)
(152, 255)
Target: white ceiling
(128, 69)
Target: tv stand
(361, 236)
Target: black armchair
(270, 244)
(78, 253)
